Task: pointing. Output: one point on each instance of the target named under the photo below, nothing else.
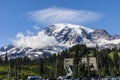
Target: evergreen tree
(75, 63)
(88, 65)
(41, 67)
(1, 61)
(6, 58)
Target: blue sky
(14, 16)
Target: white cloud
(36, 27)
(19, 35)
(39, 41)
(29, 32)
(62, 15)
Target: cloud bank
(40, 40)
(62, 15)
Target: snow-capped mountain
(66, 35)
(69, 35)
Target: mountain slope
(66, 36)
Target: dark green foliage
(6, 58)
(1, 61)
(41, 66)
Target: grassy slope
(25, 71)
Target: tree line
(108, 63)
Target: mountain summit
(66, 36)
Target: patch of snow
(77, 28)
